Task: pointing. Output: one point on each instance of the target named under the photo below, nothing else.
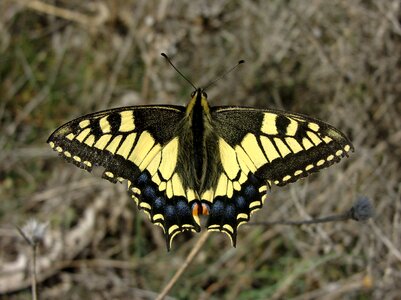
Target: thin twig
(33, 277)
(362, 210)
(333, 218)
(33, 232)
(184, 266)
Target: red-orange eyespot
(205, 209)
(200, 209)
(195, 209)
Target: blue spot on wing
(240, 202)
(183, 209)
(149, 193)
(169, 212)
(159, 203)
(250, 192)
(230, 214)
(225, 210)
(175, 210)
(143, 179)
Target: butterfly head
(199, 93)
(198, 102)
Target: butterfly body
(183, 162)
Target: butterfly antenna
(182, 75)
(223, 74)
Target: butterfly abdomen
(198, 131)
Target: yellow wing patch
(269, 148)
(268, 126)
(228, 158)
(105, 125)
(113, 145)
(169, 159)
(102, 142)
(127, 121)
(142, 148)
(126, 146)
(252, 149)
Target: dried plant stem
(32, 232)
(62, 12)
(184, 266)
(33, 274)
(57, 11)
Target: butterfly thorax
(199, 137)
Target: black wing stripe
(114, 120)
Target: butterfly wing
(258, 148)
(139, 144)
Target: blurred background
(339, 61)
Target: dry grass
(338, 60)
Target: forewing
(138, 144)
(258, 148)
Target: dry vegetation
(336, 60)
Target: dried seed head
(362, 209)
(33, 231)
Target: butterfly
(184, 162)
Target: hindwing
(258, 148)
(138, 144)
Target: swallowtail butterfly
(183, 162)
